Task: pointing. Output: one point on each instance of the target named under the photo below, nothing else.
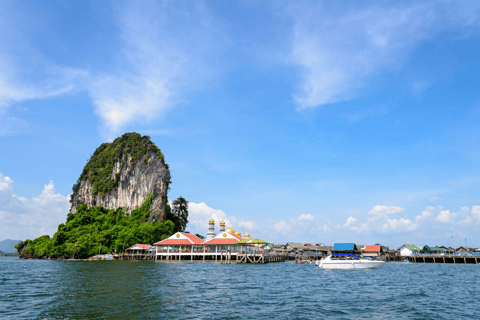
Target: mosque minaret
(222, 226)
(211, 229)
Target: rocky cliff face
(123, 174)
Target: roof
(255, 240)
(374, 248)
(223, 238)
(435, 249)
(344, 247)
(323, 248)
(180, 239)
(140, 246)
(412, 247)
(296, 245)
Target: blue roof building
(344, 247)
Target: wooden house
(409, 250)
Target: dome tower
(222, 226)
(211, 229)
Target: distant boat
(347, 261)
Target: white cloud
(446, 216)
(326, 228)
(475, 212)
(425, 215)
(166, 50)
(282, 226)
(434, 198)
(378, 209)
(466, 222)
(339, 48)
(401, 224)
(5, 183)
(378, 221)
(305, 217)
(161, 60)
(26, 73)
(350, 222)
(200, 213)
(22, 218)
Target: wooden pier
(259, 258)
(442, 259)
(225, 257)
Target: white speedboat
(347, 261)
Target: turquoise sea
(42, 289)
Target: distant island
(8, 246)
(120, 199)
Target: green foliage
(178, 214)
(98, 170)
(200, 236)
(96, 229)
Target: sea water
(43, 289)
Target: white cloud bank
(200, 213)
(23, 218)
(379, 220)
(339, 47)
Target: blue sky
(295, 121)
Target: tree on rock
(179, 214)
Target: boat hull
(328, 263)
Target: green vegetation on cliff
(98, 170)
(96, 229)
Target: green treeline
(96, 229)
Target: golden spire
(246, 235)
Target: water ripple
(39, 289)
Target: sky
(295, 121)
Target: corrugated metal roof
(344, 247)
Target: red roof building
(223, 239)
(140, 247)
(373, 250)
(181, 239)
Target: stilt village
(229, 246)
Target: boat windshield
(344, 257)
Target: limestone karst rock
(122, 174)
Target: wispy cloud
(165, 52)
(26, 73)
(339, 49)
